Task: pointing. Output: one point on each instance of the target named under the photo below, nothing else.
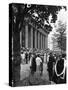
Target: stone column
(26, 35)
(41, 41)
(46, 45)
(38, 40)
(35, 38)
(46, 42)
(21, 38)
(31, 37)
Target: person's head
(50, 54)
(60, 56)
(63, 55)
(21, 52)
(33, 55)
(38, 55)
(54, 54)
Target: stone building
(33, 36)
(30, 36)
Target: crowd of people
(35, 61)
(36, 64)
(56, 65)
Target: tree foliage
(60, 35)
(39, 13)
(62, 42)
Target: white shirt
(47, 58)
(38, 60)
(23, 56)
(31, 60)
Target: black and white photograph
(37, 44)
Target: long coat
(50, 67)
(50, 63)
(33, 64)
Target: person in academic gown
(50, 66)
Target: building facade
(32, 36)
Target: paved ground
(26, 79)
(25, 72)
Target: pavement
(25, 71)
(26, 79)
